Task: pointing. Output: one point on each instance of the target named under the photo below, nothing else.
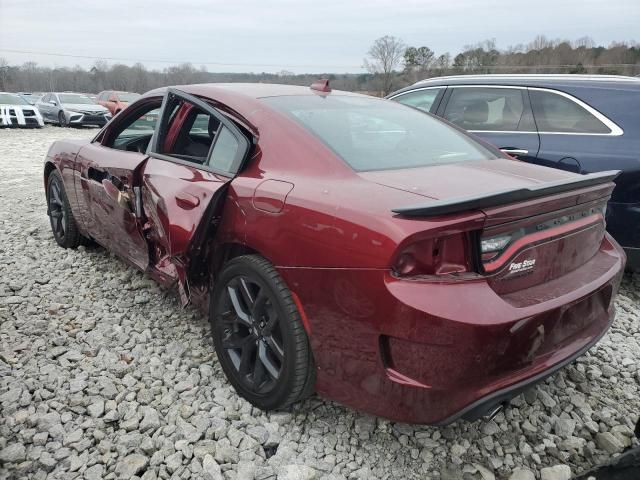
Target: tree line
(395, 64)
(390, 64)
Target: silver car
(67, 109)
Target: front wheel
(62, 119)
(63, 225)
(258, 335)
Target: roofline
(534, 76)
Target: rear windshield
(375, 134)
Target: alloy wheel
(57, 211)
(251, 334)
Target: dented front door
(108, 178)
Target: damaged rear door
(195, 153)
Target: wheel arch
(49, 167)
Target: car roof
(249, 90)
(534, 80)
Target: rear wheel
(62, 119)
(258, 335)
(63, 225)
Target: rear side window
(556, 113)
(421, 99)
(225, 151)
(373, 134)
(490, 109)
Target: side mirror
(53, 102)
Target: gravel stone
(131, 465)
(557, 472)
(522, 474)
(296, 472)
(13, 453)
(104, 375)
(210, 469)
(608, 442)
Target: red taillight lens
(434, 256)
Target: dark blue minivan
(580, 123)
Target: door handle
(187, 201)
(515, 152)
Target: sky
(295, 35)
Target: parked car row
(62, 108)
(577, 123)
(350, 245)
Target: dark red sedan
(347, 245)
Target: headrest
(476, 112)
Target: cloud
(296, 35)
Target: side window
(190, 134)
(557, 113)
(492, 109)
(191, 130)
(103, 96)
(134, 132)
(421, 99)
(225, 151)
(45, 99)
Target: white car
(15, 111)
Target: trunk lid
(540, 223)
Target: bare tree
(4, 73)
(385, 56)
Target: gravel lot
(103, 376)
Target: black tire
(62, 119)
(278, 367)
(63, 224)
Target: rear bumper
(489, 403)
(430, 352)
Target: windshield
(11, 99)
(128, 97)
(374, 134)
(74, 98)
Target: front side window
(374, 134)
(421, 99)
(488, 109)
(556, 113)
(134, 131)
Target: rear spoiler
(501, 197)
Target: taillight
(492, 246)
(434, 256)
(496, 248)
